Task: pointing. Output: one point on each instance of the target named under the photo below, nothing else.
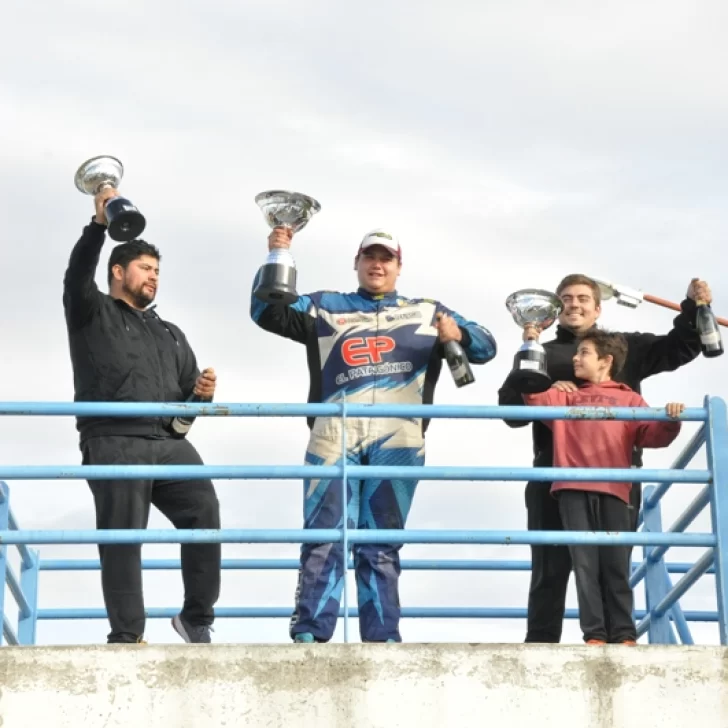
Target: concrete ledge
(387, 686)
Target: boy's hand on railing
(674, 409)
(565, 386)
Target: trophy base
(529, 375)
(277, 284)
(528, 381)
(125, 222)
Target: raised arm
(296, 321)
(81, 295)
(650, 354)
(80, 292)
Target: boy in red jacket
(601, 572)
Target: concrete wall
(497, 686)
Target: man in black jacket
(647, 355)
(121, 351)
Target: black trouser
(551, 565)
(601, 572)
(125, 504)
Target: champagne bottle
(181, 425)
(711, 341)
(459, 365)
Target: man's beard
(140, 298)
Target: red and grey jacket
(647, 355)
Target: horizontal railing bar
(407, 612)
(354, 536)
(378, 472)
(292, 564)
(683, 521)
(494, 412)
(15, 589)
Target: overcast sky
(507, 144)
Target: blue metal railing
(24, 589)
(661, 618)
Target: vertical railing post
(345, 506)
(29, 575)
(4, 526)
(717, 446)
(655, 587)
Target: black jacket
(647, 354)
(120, 354)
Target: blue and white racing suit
(369, 349)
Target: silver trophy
(124, 221)
(540, 308)
(292, 210)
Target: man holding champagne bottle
(373, 346)
(647, 355)
(706, 322)
(122, 351)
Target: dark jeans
(125, 504)
(551, 565)
(601, 572)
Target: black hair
(125, 253)
(606, 344)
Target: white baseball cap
(383, 238)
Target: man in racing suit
(370, 347)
